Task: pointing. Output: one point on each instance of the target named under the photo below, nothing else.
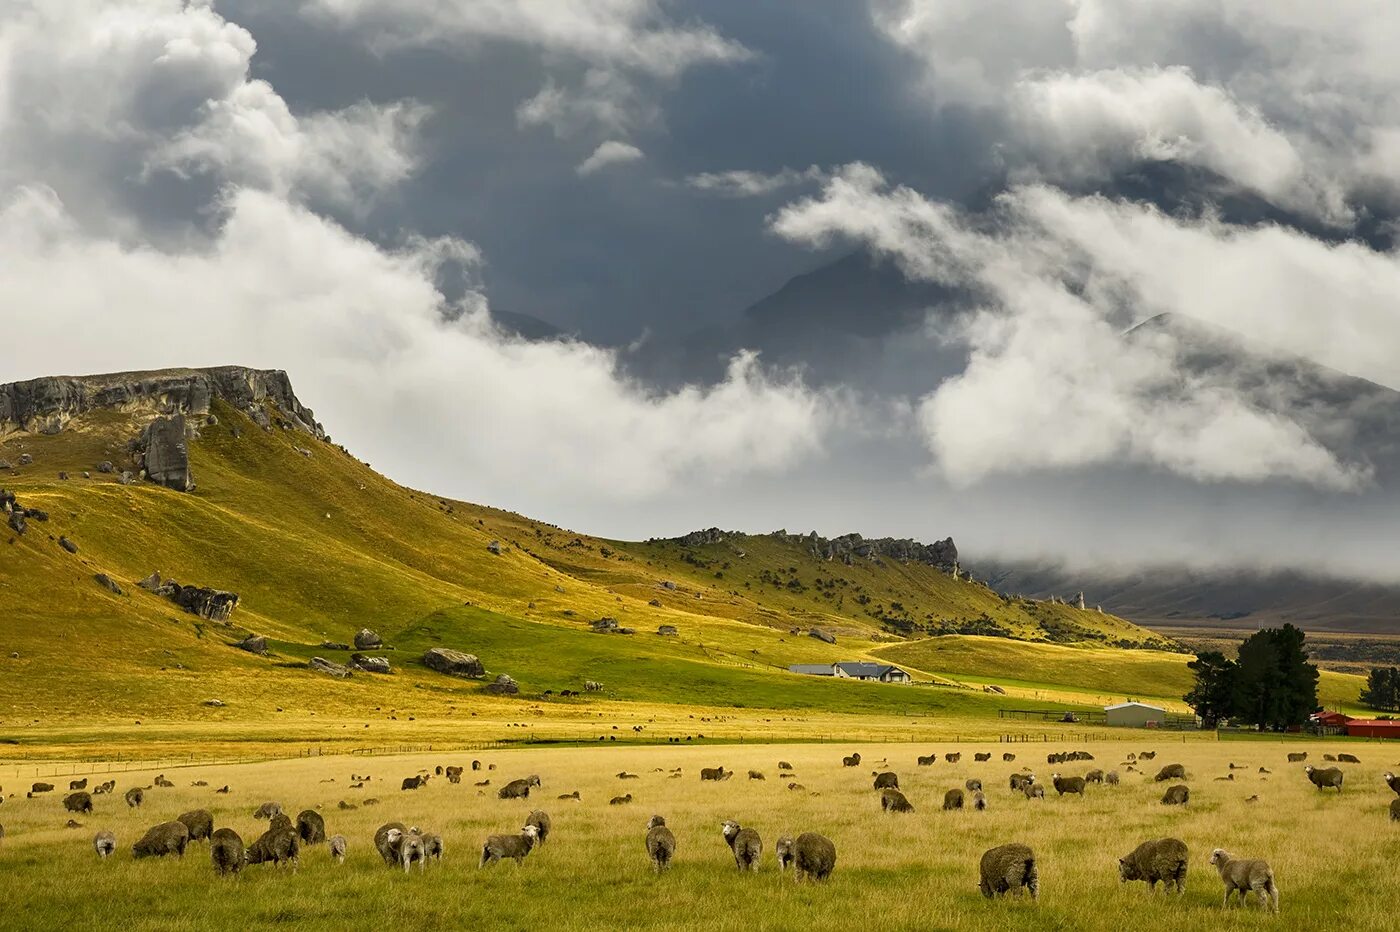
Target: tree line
(1382, 690)
(1270, 685)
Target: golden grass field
(1333, 855)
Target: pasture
(1332, 854)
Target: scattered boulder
(108, 582)
(105, 466)
(151, 582)
(334, 645)
(365, 639)
(668, 631)
(253, 644)
(330, 668)
(503, 686)
(605, 625)
(17, 522)
(453, 662)
(167, 457)
(213, 604)
(25, 459)
(68, 545)
(821, 635)
(214, 703)
(494, 547)
(370, 664)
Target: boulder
(365, 639)
(253, 644)
(605, 625)
(494, 547)
(67, 544)
(17, 522)
(655, 603)
(330, 668)
(214, 703)
(167, 457)
(108, 582)
(668, 631)
(105, 466)
(151, 582)
(213, 604)
(25, 459)
(334, 645)
(370, 664)
(821, 635)
(453, 662)
(503, 686)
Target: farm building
(1373, 728)
(1134, 714)
(854, 670)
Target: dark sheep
(454, 774)
(982, 756)
(973, 785)
(1178, 795)
(78, 802)
(1244, 875)
(745, 844)
(41, 788)
(1019, 781)
(953, 799)
(1149, 755)
(199, 822)
(1161, 859)
(336, 844)
(811, 855)
(1065, 785)
(979, 801)
(413, 783)
(784, 765)
(953, 758)
(226, 851)
(661, 844)
(267, 810)
(1324, 777)
(1009, 868)
(134, 797)
(160, 840)
(1395, 809)
(104, 843)
(620, 800)
(1008, 757)
(756, 775)
(515, 847)
(542, 823)
(715, 773)
(1348, 759)
(78, 784)
(1034, 791)
(279, 844)
(1094, 776)
(1170, 772)
(386, 841)
(928, 761)
(1392, 781)
(892, 800)
(311, 828)
(518, 789)
(1111, 778)
(852, 761)
(1297, 758)
(887, 780)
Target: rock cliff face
(47, 405)
(942, 554)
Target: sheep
(1348, 759)
(1065, 785)
(134, 797)
(783, 851)
(161, 781)
(160, 840)
(1170, 772)
(1297, 758)
(1009, 868)
(267, 810)
(386, 841)
(660, 844)
(413, 783)
(1329, 757)
(887, 780)
(498, 847)
(518, 789)
(756, 775)
(620, 800)
(811, 855)
(1177, 795)
(1034, 791)
(953, 799)
(1392, 781)
(892, 800)
(1325, 777)
(973, 785)
(745, 843)
(226, 851)
(104, 788)
(953, 758)
(1149, 755)
(454, 774)
(1395, 809)
(78, 802)
(1245, 875)
(573, 795)
(542, 823)
(1163, 859)
(199, 822)
(624, 775)
(37, 788)
(979, 801)
(1019, 781)
(78, 784)
(1008, 757)
(411, 851)
(279, 844)
(336, 846)
(852, 761)
(311, 828)
(1111, 778)
(1094, 776)
(982, 756)
(927, 761)
(104, 843)
(715, 774)
(784, 765)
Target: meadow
(1332, 854)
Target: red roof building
(1331, 719)
(1373, 728)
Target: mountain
(158, 520)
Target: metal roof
(860, 668)
(1133, 705)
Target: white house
(854, 670)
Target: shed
(1373, 728)
(1134, 714)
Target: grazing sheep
(160, 840)
(199, 822)
(311, 828)
(1170, 772)
(1348, 759)
(628, 776)
(783, 851)
(1325, 777)
(40, 788)
(386, 841)
(979, 801)
(954, 757)
(973, 785)
(811, 855)
(573, 795)
(1163, 859)
(620, 800)
(1009, 868)
(892, 800)
(745, 844)
(78, 784)
(336, 845)
(1019, 781)
(454, 774)
(134, 797)
(756, 775)
(1034, 791)
(78, 802)
(887, 780)
(161, 781)
(1245, 875)
(928, 761)
(784, 765)
(1392, 781)
(1297, 758)
(852, 761)
(1111, 778)
(1065, 785)
(982, 756)
(411, 851)
(1148, 755)
(267, 810)
(413, 783)
(1094, 776)
(104, 843)
(1329, 757)
(345, 807)
(433, 847)
(661, 844)
(1395, 809)
(715, 773)
(1178, 795)
(516, 847)
(542, 823)
(1008, 757)
(279, 844)
(226, 851)
(953, 799)
(518, 789)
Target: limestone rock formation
(821, 635)
(330, 668)
(365, 639)
(253, 644)
(453, 662)
(503, 686)
(370, 664)
(167, 458)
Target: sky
(348, 189)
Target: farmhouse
(854, 670)
(1134, 714)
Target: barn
(1134, 714)
(1373, 728)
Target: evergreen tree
(1382, 690)
(1213, 695)
(1275, 686)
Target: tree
(1275, 686)
(1213, 694)
(1382, 690)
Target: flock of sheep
(1008, 868)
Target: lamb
(1111, 778)
(783, 851)
(745, 843)
(811, 855)
(161, 781)
(660, 843)
(1245, 875)
(892, 800)
(1163, 859)
(311, 828)
(542, 823)
(1065, 785)
(134, 797)
(78, 802)
(1019, 781)
(518, 789)
(1323, 778)
(953, 799)
(336, 845)
(199, 822)
(1392, 781)
(887, 780)
(1094, 776)
(1009, 868)
(973, 785)
(1177, 795)
(160, 840)
(226, 851)
(411, 851)
(1329, 757)
(454, 774)
(104, 843)
(279, 844)
(928, 761)
(1170, 772)
(715, 773)
(498, 847)
(267, 810)
(1297, 758)
(620, 800)
(1034, 791)
(386, 841)
(979, 801)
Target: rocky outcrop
(821, 635)
(667, 631)
(370, 664)
(253, 644)
(503, 686)
(711, 535)
(847, 548)
(213, 604)
(365, 639)
(453, 662)
(165, 454)
(47, 405)
(108, 582)
(330, 668)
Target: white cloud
(741, 183)
(609, 153)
